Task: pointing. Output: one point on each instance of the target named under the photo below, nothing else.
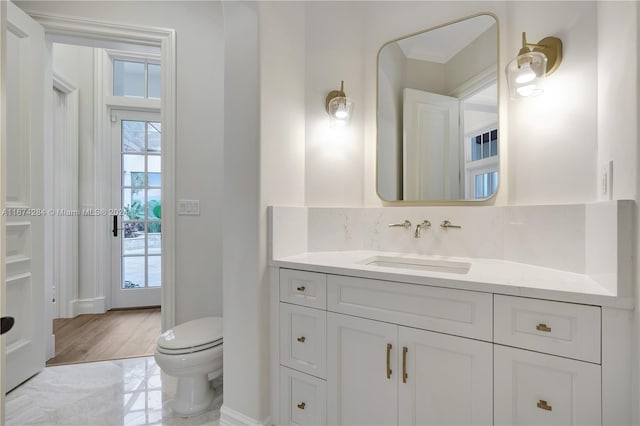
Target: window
(484, 145)
(481, 168)
(136, 79)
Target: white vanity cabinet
(362, 371)
(560, 386)
(384, 374)
(539, 389)
(361, 351)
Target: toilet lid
(200, 333)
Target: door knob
(6, 323)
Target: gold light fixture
(339, 106)
(534, 62)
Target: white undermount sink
(433, 265)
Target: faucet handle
(447, 224)
(406, 224)
(425, 224)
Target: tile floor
(127, 392)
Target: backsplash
(591, 239)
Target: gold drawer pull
(404, 364)
(389, 360)
(543, 405)
(302, 339)
(302, 405)
(301, 288)
(543, 327)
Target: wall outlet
(606, 181)
(189, 207)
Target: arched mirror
(438, 136)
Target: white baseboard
(231, 417)
(95, 305)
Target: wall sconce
(338, 106)
(534, 62)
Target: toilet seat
(192, 336)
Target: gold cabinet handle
(302, 405)
(543, 327)
(404, 364)
(389, 360)
(301, 288)
(542, 404)
(301, 339)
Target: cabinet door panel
(359, 392)
(449, 379)
(538, 389)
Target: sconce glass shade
(340, 109)
(526, 73)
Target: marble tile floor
(127, 392)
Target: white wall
(199, 144)
(334, 52)
(343, 40)
(246, 289)
(282, 100)
(553, 138)
(75, 63)
(618, 109)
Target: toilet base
(193, 396)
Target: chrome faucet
(424, 224)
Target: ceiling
(441, 44)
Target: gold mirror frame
(486, 201)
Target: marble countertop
(486, 275)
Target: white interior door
(136, 201)
(431, 146)
(24, 197)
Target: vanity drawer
(303, 288)
(303, 399)
(557, 328)
(458, 312)
(303, 339)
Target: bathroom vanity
(388, 338)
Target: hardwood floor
(113, 335)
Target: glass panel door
(137, 193)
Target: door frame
(106, 34)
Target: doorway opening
(72, 224)
(123, 88)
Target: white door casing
(431, 146)
(24, 199)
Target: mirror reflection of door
(430, 146)
(458, 62)
(137, 201)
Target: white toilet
(192, 352)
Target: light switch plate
(189, 207)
